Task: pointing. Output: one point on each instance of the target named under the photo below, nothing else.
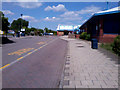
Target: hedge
(116, 45)
(85, 36)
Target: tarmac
(89, 68)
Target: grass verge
(107, 46)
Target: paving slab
(90, 68)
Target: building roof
(109, 11)
(66, 27)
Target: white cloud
(69, 14)
(60, 7)
(30, 18)
(29, 4)
(51, 19)
(7, 12)
(89, 10)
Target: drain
(80, 46)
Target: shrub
(116, 45)
(40, 34)
(87, 37)
(83, 35)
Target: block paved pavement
(88, 68)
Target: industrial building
(103, 25)
(65, 29)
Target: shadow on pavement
(5, 40)
(111, 55)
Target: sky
(51, 14)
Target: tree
(5, 23)
(41, 30)
(18, 24)
(46, 30)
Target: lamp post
(21, 22)
(22, 34)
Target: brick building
(103, 25)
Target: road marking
(4, 66)
(41, 43)
(35, 49)
(19, 58)
(29, 53)
(7, 65)
(39, 47)
(21, 51)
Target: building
(64, 30)
(103, 25)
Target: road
(33, 62)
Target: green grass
(107, 46)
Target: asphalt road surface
(33, 62)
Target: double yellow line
(25, 55)
(20, 58)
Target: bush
(116, 45)
(87, 37)
(40, 34)
(83, 35)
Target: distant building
(65, 29)
(103, 25)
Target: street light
(23, 33)
(21, 22)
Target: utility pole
(44, 32)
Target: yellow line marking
(41, 43)
(21, 51)
(35, 49)
(19, 58)
(29, 53)
(4, 66)
(40, 47)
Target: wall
(60, 33)
(107, 38)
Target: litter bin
(22, 34)
(94, 43)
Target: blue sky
(50, 14)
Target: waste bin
(22, 34)
(94, 43)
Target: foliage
(18, 24)
(41, 30)
(50, 31)
(85, 36)
(106, 46)
(27, 31)
(5, 23)
(116, 45)
(46, 30)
